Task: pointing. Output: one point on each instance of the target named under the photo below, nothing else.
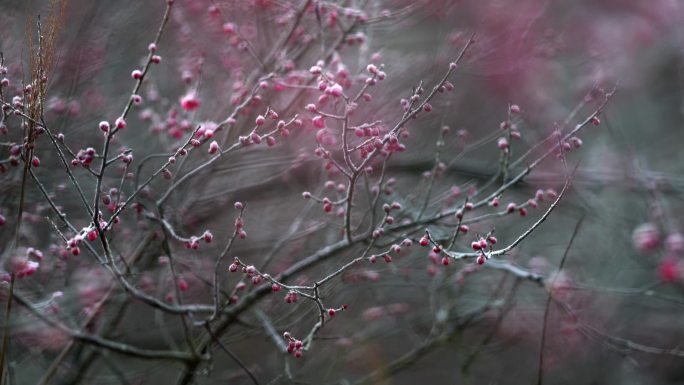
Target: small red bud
(182, 284)
(510, 207)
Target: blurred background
(617, 304)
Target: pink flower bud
(213, 147)
(646, 237)
(228, 28)
(424, 241)
(336, 90)
(190, 101)
(502, 143)
(510, 207)
(182, 284)
(318, 121)
(120, 123)
(669, 269)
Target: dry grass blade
(40, 63)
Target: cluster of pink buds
(291, 296)
(479, 244)
(387, 208)
(255, 138)
(567, 146)
(327, 205)
(251, 272)
(73, 244)
(84, 157)
(330, 84)
(386, 256)
(23, 266)
(194, 242)
(539, 196)
(206, 129)
(550, 194)
(294, 346)
(504, 142)
(376, 73)
(394, 249)
(239, 227)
